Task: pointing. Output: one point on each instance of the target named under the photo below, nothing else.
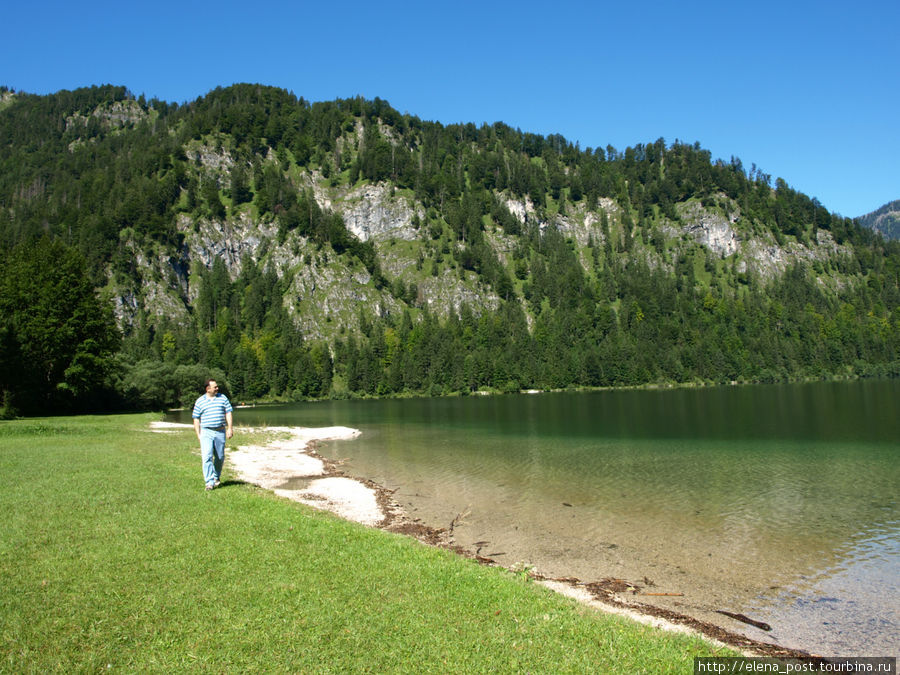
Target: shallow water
(779, 502)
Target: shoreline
(290, 467)
(645, 386)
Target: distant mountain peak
(885, 220)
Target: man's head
(211, 387)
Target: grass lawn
(114, 557)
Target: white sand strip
(583, 596)
(284, 459)
(346, 497)
(269, 467)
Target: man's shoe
(209, 486)
(216, 484)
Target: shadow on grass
(231, 483)
(228, 484)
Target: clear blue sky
(808, 91)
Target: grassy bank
(112, 556)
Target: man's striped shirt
(211, 411)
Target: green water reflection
(747, 489)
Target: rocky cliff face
(709, 228)
(372, 212)
(326, 296)
(230, 241)
(328, 293)
(110, 115)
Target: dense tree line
(57, 339)
(86, 185)
(652, 332)
(651, 327)
(241, 328)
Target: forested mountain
(341, 248)
(885, 220)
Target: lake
(775, 501)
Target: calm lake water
(779, 502)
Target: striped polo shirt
(211, 411)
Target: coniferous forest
(145, 245)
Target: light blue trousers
(212, 450)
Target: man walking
(213, 423)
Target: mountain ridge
(885, 220)
(260, 234)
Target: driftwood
(458, 520)
(746, 619)
(613, 586)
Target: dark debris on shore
(605, 591)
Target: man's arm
(229, 432)
(197, 427)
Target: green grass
(113, 557)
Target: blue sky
(808, 91)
